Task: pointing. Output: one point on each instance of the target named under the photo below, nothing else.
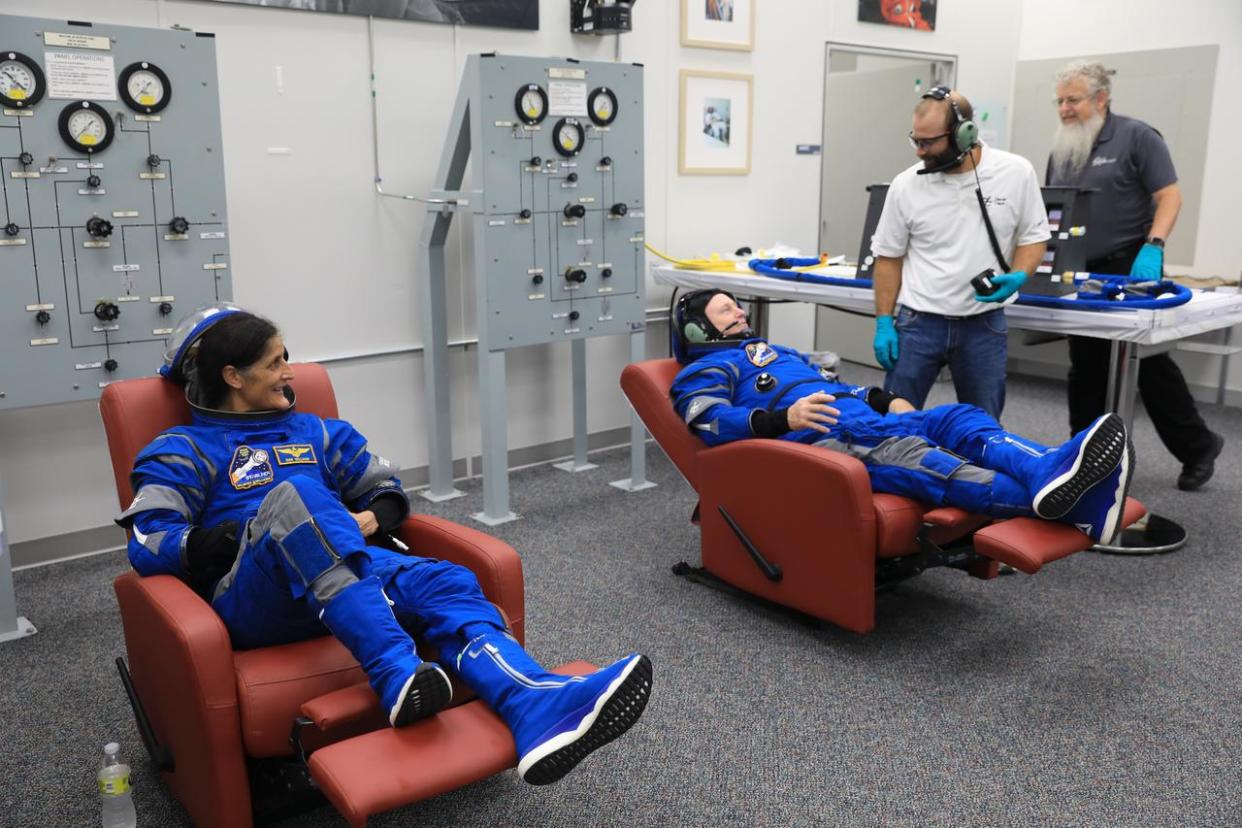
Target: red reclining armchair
(217, 720)
(800, 526)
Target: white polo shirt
(934, 222)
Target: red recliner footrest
(1027, 543)
(388, 768)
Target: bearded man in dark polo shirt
(1132, 214)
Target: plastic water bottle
(118, 803)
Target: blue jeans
(974, 347)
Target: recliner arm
(808, 510)
(181, 661)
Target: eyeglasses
(925, 143)
(1072, 100)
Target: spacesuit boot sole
(1112, 524)
(426, 693)
(614, 712)
(1098, 456)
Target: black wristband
(388, 512)
(880, 400)
(769, 423)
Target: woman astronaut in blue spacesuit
(735, 386)
(265, 511)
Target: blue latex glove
(1148, 264)
(1007, 285)
(885, 342)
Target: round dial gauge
(86, 127)
(568, 137)
(531, 103)
(21, 80)
(144, 87)
(602, 105)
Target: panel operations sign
(78, 75)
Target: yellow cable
(714, 263)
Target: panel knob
(110, 365)
(98, 227)
(571, 178)
(525, 214)
(93, 181)
(575, 274)
(154, 161)
(11, 229)
(573, 316)
(619, 209)
(574, 211)
(178, 226)
(165, 308)
(537, 279)
(26, 158)
(43, 317)
(107, 311)
(605, 273)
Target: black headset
(963, 132)
(695, 326)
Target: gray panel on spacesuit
(146, 157)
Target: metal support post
(1122, 378)
(637, 481)
(12, 625)
(579, 463)
(435, 370)
(495, 440)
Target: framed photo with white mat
(714, 134)
(718, 24)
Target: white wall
(1065, 28)
(305, 221)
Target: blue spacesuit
(289, 482)
(953, 455)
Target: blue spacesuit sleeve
(703, 397)
(171, 478)
(360, 476)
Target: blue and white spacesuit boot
(1086, 459)
(1058, 477)
(1099, 511)
(409, 688)
(555, 720)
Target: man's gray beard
(1071, 146)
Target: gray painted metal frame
(542, 273)
(57, 273)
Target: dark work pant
(1161, 385)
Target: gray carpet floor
(1102, 692)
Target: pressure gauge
(21, 80)
(531, 103)
(602, 105)
(567, 137)
(86, 127)
(144, 87)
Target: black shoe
(1199, 471)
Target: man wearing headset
(1134, 209)
(736, 386)
(932, 240)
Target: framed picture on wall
(718, 24)
(715, 123)
(919, 15)
(506, 14)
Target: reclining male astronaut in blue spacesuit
(265, 512)
(736, 386)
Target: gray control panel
(113, 223)
(559, 156)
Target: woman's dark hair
(238, 339)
